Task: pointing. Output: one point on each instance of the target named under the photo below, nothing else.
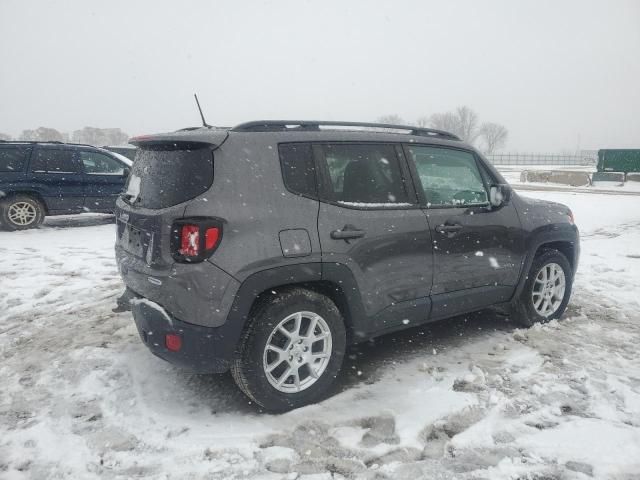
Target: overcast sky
(557, 74)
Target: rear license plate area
(133, 240)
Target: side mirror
(499, 195)
(126, 171)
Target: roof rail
(35, 141)
(314, 125)
(55, 142)
(31, 141)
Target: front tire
(547, 289)
(292, 350)
(21, 212)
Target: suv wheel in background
(291, 351)
(21, 212)
(547, 289)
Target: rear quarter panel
(249, 194)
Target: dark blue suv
(50, 178)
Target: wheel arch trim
(30, 193)
(333, 280)
(552, 238)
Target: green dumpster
(619, 160)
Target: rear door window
(449, 178)
(55, 161)
(164, 175)
(364, 175)
(13, 158)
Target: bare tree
(392, 119)
(444, 121)
(5, 137)
(463, 122)
(423, 121)
(42, 134)
(468, 124)
(100, 136)
(493, 135)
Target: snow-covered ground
(473, 397)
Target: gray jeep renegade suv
(267, 248)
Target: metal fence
(582, 158)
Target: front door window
(449, 177)
(100, 164)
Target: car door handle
(348, 232)
(444, 228)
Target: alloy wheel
(22, 213)
(297, 352)
(548, 289)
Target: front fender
(549, 234)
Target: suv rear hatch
(168, 171)
(163, 176)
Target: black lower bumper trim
(204, 349)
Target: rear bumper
(204, 349)
(198, 293)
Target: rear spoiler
(215, 137)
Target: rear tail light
(195, 239)
(211, 236)
(189, 241)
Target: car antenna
(204, 122)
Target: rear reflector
(173, 342)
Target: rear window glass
(168, 174)
(12, 159)
(298, 169)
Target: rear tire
(546, 291)
(291, 351)
(21, 212)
